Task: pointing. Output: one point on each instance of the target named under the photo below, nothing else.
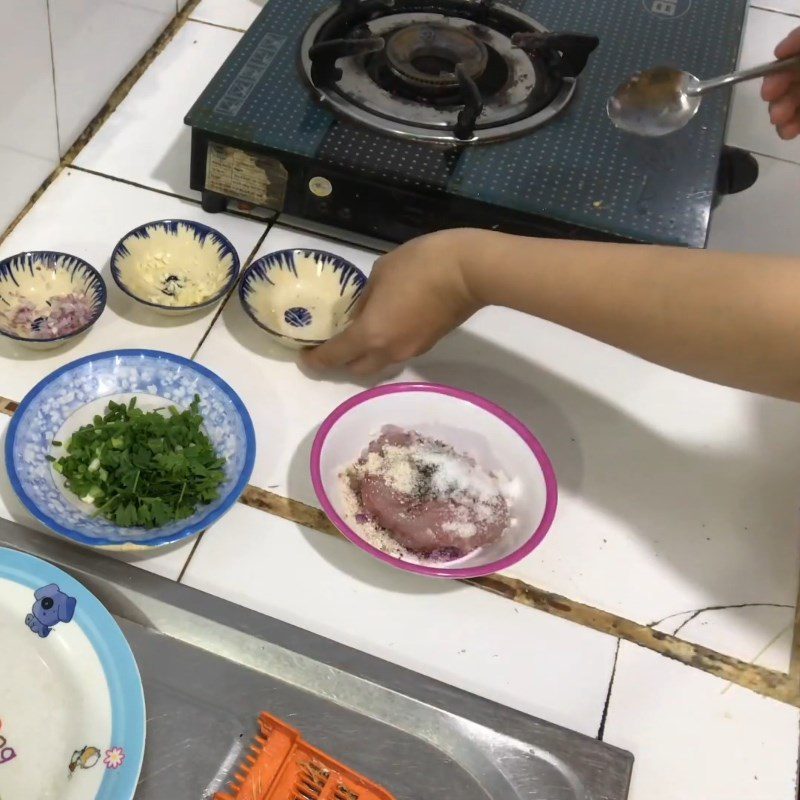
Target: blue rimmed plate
(71, 396)
(72, 713)
(301, 297)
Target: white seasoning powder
(434, 466)
(424, 470)
(395, 466)
(368, 529)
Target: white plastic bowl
(469, 423)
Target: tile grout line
(134, 184)
(602, 729)
(53, 67)
(195, 545)
(776, 11)
(268, 221)
(217, 25)
(233, 290)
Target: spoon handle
(701, 87)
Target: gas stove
(396, 117)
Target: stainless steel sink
(209, 667)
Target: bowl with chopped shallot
(434, 480)
(48, 298)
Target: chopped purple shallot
(59, 316)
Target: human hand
(782, 91)
(415, 295)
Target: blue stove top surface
(577, 169)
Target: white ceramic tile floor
(232, 13)
(760, 220)
(29, 134)
(86, 215)
(695, 737)
(661, 511)
(165, 561)
(145, 140)
(749, 126)
(94, 46)
(455, 633)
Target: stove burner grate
(443, 71)
(426, 56)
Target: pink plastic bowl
(469, 423)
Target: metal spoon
(662, 100)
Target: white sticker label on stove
(246, 176)
(668, 9)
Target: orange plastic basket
(282, 766)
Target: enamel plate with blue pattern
(72, 714)
(301, 297)
(71, 396)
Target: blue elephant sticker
(51, 607)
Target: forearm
(729, 318)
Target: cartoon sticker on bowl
(114, 758)
(51, 607)
(6, 753)
(85, 758)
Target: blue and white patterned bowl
(301, 297)
(175, 266)
(71, 396)
(35, 279)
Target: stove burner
(443, 71)
(427, 56)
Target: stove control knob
(320, 187)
